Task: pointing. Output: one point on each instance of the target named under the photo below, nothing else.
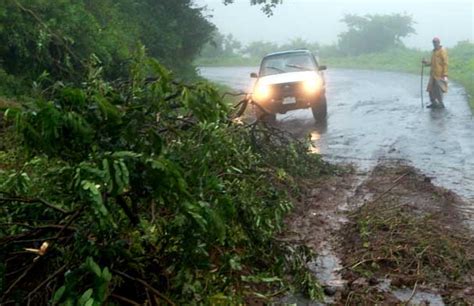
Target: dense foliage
(60, 37)
(374, 33)
(144, 190)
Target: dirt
(430, 249)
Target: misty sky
(319, 20)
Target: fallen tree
(144, 191)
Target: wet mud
(406, 241)
(389, 267)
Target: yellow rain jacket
(439, 67)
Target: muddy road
(375, 116)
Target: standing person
(438, 83)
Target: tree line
(365, 34)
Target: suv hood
(288, 77)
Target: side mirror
(322, 67)
(254, 75)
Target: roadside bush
(9, 87)
(462, 66)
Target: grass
(395, 60)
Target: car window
(289, 62)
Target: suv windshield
(287, 62)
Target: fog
(319, 20)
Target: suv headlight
(262, 92)
(312, 86)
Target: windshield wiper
(297, 67)
(275, 68)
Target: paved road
(375, 115)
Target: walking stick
(421, 86)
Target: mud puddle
(315, 222)
(418, 298)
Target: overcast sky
(319, 20)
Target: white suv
(287, 81)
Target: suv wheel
(320, 110)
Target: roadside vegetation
(111, 192)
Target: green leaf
(126, 154)
(90, 302)
(125, 173)
(109, 111)
(106, 275)
(260, 279)
(86, 296)
(160, 70)
(59, 294)
(93, 266)
(235, 264)
(96, 198)
(107, 176)
(199, 219)
(220, 299)
(118, 177)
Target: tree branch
(28, 200)
(52, 276)
(146, 285)
(123, 204)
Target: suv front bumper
(284, 104)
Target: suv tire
(320, 110)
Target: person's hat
(436, 39)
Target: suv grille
(285, 90)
